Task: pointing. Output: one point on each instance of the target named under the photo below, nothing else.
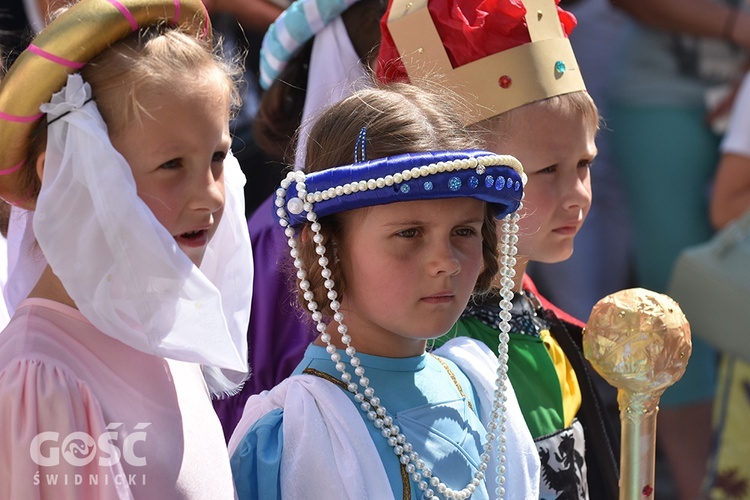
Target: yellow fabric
(571, 392)
(730, 464)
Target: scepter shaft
(638, 446)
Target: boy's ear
(40, 165)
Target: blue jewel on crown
(454, 183)
(489, 181)
(500, 183)
(427, 185)
(473, 181)
(509, 183)
(405, 188)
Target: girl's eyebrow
(417, 222)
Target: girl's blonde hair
(579, 102)
(155, 59)
(400, 118)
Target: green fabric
(539, 395)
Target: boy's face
(556, 149)
(410, 268)
(177, 158)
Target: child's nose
(444, 260)
(579, 193)
(209, 193)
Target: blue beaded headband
(496, 179)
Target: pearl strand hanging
(371, 404)
(508, 251)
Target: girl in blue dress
(391, 228)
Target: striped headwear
(292, 29)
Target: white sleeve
(737, 138)
(480, 365)
(319, 421)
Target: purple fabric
(279, 332)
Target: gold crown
(544, 68)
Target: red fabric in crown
(469, 30)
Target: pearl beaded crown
(496, 179)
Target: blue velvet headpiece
(496, 179)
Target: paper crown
(500, 55)
(69, 42)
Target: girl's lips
(440, 298)
(566, 230)
(193, 239)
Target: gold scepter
(639, 342)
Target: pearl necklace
(369, 403)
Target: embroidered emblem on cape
(527, 313)
(563, 468)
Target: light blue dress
(429, 398)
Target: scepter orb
(639, 342)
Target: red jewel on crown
(504, 81)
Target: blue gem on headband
(451, 174)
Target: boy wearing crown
(515, 66)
